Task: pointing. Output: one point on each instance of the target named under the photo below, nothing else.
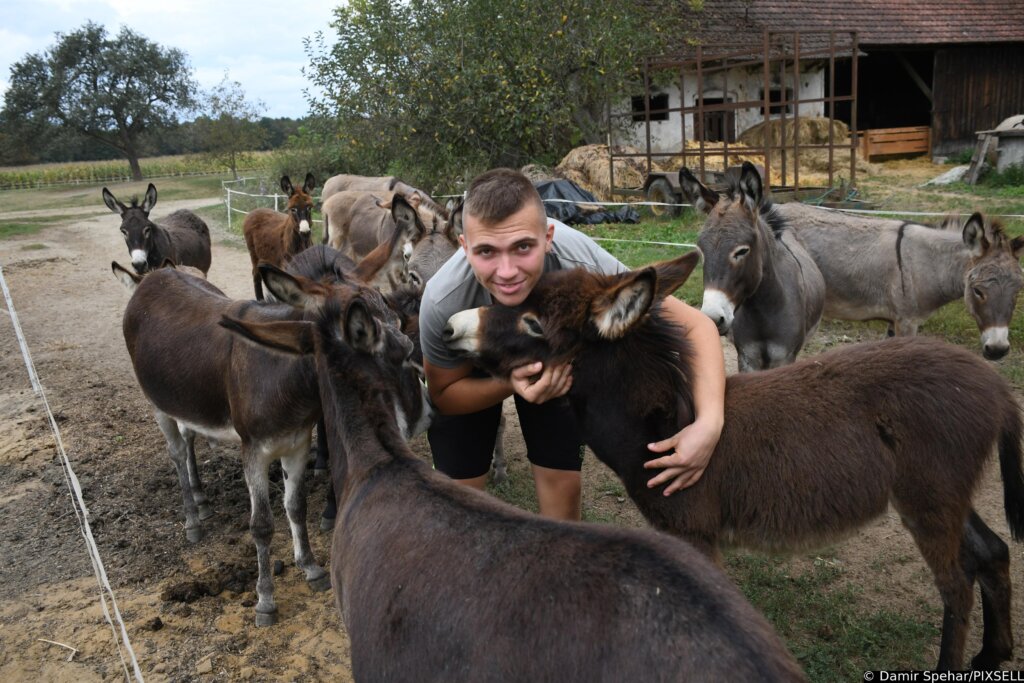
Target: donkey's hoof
(266, 618)
(205, 512)
(989, 661)
(326, 523)
(194, 535)
(321, 584)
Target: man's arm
(455, 392)
(692, 447)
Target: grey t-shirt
(455, 288)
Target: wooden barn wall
(974, 88)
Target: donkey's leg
(939, 537)
(986, 556)
(202, 503)
(257, 283)
(294, 466)
(255, 462)
(499, 467)
(178, 449)
(322, 458)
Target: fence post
(228, 189)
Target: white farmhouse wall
(738, 85)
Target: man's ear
(673, 274)
(621, 306)
(288, 336)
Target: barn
(947, 65)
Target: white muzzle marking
(139, 257)
(304, 227)
(719, 308)
(464, 326)
(996, 338)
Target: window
(777, 95)
(659, 107)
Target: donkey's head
(138, 230)
(733, 242)
(566, 310)
(354, 335)
(435, 248)
(992, 282)
(300, 205)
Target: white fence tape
(78, 503)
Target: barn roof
(878, 22)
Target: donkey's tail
(327, 229)
(1010, 466)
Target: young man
(507, 244)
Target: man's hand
(691, 451)
(538, 384)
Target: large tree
(449, 86)
(112, 90)
(230, 128)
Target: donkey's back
(190, 237)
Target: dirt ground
(188, 608)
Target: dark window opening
(718, 126)
(777, 95)
(658, 107)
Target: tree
(110, 90)
(230, 129)
(442, 87)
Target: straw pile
(587, 166)
(809, 131)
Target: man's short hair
(497, 194)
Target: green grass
(26, 226)
(90, 196)
(822, 620)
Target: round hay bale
(808, 131)
(537, 173)
(587, 166)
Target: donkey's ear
(625, 303)
(291, 289)
(289, 336)
(362, 331)
(750, 186)
(149, 201)
(286, 186)
(112, 203)
(453, 227)
(309, 183)
(974, 235)
(129, 279)
(168, 263)
(695, 192)
(415, 199)
(406, 219)
(673, 274)
(1017, 246)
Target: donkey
(200, 380)
(376, 184)
(809, 451)
(903, 272)
(274, 237)
(181, 237)
(759, 281)
(574, 601)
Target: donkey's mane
(776, 223)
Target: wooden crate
(884, 141)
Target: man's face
(507, 257)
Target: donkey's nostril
(448, 333)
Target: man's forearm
(471, 394)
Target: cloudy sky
(259, 43)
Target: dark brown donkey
(181, 237)
(274, 237)
(200, 380)
(809, 452)
(435, 581)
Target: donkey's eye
(532, 326)
(740, 252)
(978, 293)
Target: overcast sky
(259, 43)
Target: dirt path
(70, 307)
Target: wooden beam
(914, 76)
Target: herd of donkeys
(437, 581)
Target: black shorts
(463, 445)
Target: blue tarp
(570, 213)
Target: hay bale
(587, 166)
(537, 173)
(809, 131)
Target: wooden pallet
(885, 141)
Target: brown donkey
(435, 581)
(274, 237)
(809, 452)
